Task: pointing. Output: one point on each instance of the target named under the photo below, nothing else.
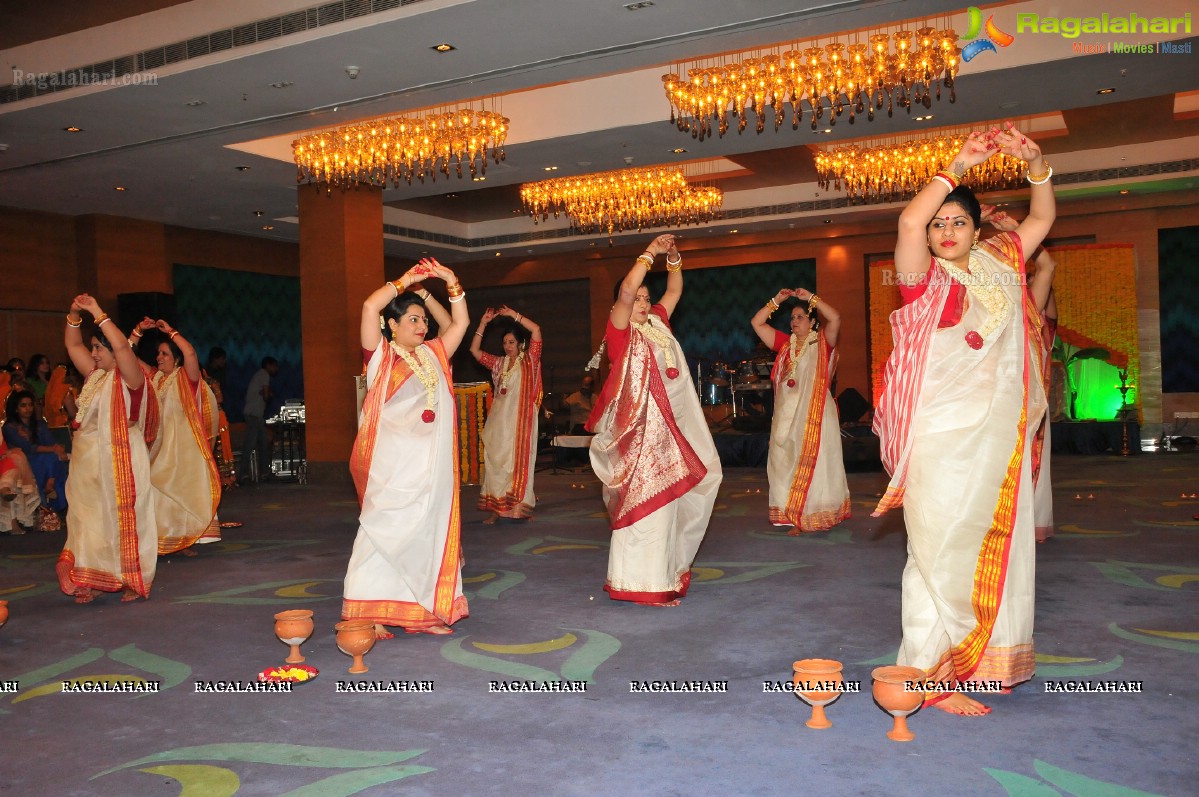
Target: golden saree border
(530, 397)
(505, 506)
(805, 468)
(390, 376)
(450, 571)
(403, 613)
(654, 464)
(123, 481)
(813, 521)
(71, 578)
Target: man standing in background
(258, 394)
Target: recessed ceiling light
(478, 179)
(242, 168)
(73, 129)
(195, 103)
(282, 84)
(118, 188)
(497, 254)
(828, 221)
(267, 227)
(1106, 91)
(1010, 104)
(551, 168)
(444, 47)
(518, 212)
(1124, 191)
(258, 213)
(638, 6)
(734, 230)
(678, 150)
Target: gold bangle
(395, 286)
(174, 332)
(454, 290)
(101, 318)
(75, 325)
(772, 303)
(1040, 179)
(813, 301)
(646, 259)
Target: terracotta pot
(293, 627)
(3, 612)
(897, 691)
(355, 638)
(816, 683)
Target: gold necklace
(88, 393)
(426, 372)
(663, 341)
(983, 286)
(811, 338)
(510, 365)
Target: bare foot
(436, 630)
(963, 706)
(382, 633)
(128, 595)
(674, 602)
(85, 595)
(490, 521)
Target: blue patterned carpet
(1118, 600)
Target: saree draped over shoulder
(808, 489)
(655, 456)
(187, 486)
(112, 539)
(510, 434)
(956, 421)
(406, 566)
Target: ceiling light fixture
(282, 84)
(387, 150)
(118, 188)
(444, 47)
(551, 168)
(638, 6)
(195, 103)
(623, 200)
(678, 150)
(267, 227)
(1106, 91)
(73, 129)
(242, 168)
(857, 76)
(891, 170)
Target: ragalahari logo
(994, 35)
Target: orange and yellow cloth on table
(473, 402)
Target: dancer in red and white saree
(510, 435)
(187, 486)
(959, 411)
(808, 489)
(112, 540)
(652, 448)
(406, 567)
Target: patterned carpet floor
(1117, 601)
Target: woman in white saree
(112, 540)
(652, 449)
(956, 420)
(187, 486)
(808, 489)
(510, 435)
(406, 566)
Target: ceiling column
(341, 263)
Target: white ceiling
(580, 80)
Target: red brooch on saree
(427, 416)
(672, 373)
(974, 340)
(503, 391)
(790, 383)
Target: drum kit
(724, 380)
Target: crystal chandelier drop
(856, 76)
(890, 171)
(623, 200)
(390, 150)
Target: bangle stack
(174, 332)
(948, 178)
(456, 292)
(813, 301)
(772, 305)
(1040, 179)
(674, 265)
(103, 317)
(74, 325)
(647, 259)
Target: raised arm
(452, 333)
(476, 341)
(127, 362)
(830, 319)
(524, 321)
(674, 279)
(77, 350)
(622, 311)
(912, 257)
(191, 363)
(761, 320)
(369, 332)
(1042, 206)
(435, 308)
(1042, 281)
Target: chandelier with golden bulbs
(893, 171)
(859, 76)
(386, 151)
(623, 200)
